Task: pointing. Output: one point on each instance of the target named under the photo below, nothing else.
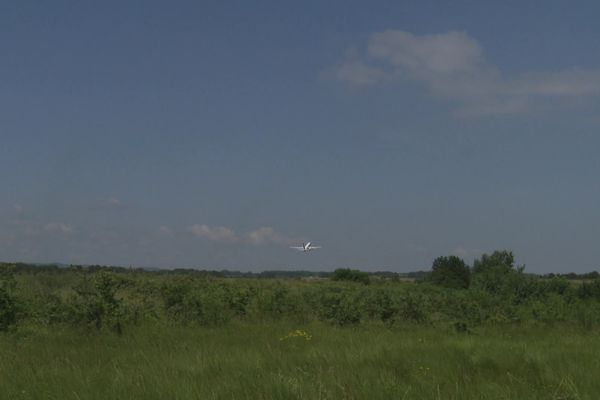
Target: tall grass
(261, 361)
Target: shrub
(239, 298)
(8, 304)
(352, 275)
(207, 306)
(411, 308)
(202, 302)
(95, 302)
(380, 305)
(173, 295)
(276, 301)
(341, 307)
(589, 290)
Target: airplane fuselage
(306, 247)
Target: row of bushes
(103, 299)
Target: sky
(214, 135)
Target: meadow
(110, 333)
(273, 361)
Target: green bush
(589, 290)
(412, 308)
(95, 303)
(380, 305)
(351, 275)
(8, 304)
(173, 294)
(275, 301)
(202, 302)
(340, 306)
(207, 306)
(110, 299)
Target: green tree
(450, 272)
(500, 260)
(497, 274)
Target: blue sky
(216, 134)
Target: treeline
(573, 276)
(269, 274)
(453, 294)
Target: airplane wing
(297, 248)
(315, 247)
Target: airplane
(305, 247)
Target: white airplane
(305, 247)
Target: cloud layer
(451, 65)
(25, 236)
(265, 235)
(215, 234)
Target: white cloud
(451, 65)
(30, 228)
(448, 53)
(359, 73)
(165, 231)
(59, 227)
(113, 201)
(267, 235)
(108, 203)
(575, 82)
(215, 234)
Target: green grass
(251, 361)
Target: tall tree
(451, 272)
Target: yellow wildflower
(297, 333)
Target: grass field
(103, 333)
(265, 361)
